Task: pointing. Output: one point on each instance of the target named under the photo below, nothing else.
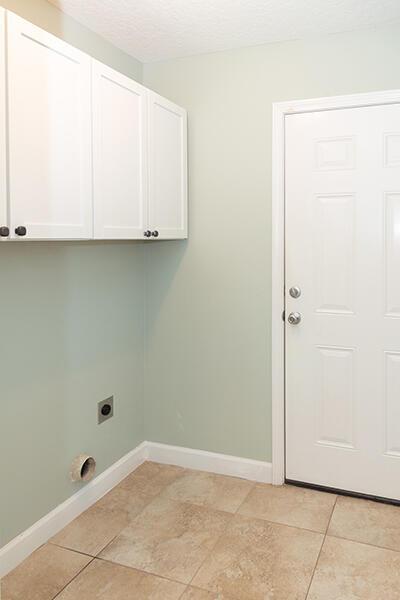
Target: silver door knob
(295, 291)
(294, 318)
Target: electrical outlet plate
(105, 410)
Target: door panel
(343, 251)
(334, 252)
(50, 134)
(392, 254)
(335, 396)
(392, 404)
(3, 167)
(120, 155)
(167, 168)
(392, 149)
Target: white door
(3, 168)
(49, 135)
(343, 252)
(120, 155)
(167, 169)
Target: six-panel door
(343, 252)
(49, 135)
(167, 169)
(3, 167)
(119, 153)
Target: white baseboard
(224, 464)
(13, 553)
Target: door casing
(279, 112)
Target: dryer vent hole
(87, 469)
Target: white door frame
(280, 110)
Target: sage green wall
(71, 331)
(208, 356)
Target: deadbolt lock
(295, 291)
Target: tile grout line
(233, 514)
(142, 573)
(338, 537)
(73, 579)
(70, 549)
(183, 593)
(281, 524)
(213, 548)
(253, 487)
(150, 573)
(320, 550)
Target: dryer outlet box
(105, 409)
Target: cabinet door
(49, 86)
(167, 168)
(3, 168)
(120, 162)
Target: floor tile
(193, 593)
(151, 478)
(97, 526)
(43, 574)
(208, 489)
(290, 505)
(168, 538)
(368, 522)
(107, 581)
(352, 571)
(256, 559)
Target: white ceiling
(152, 30)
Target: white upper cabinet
(3, 167)
(50, 153)
(85, 152)
(119, 154)
(167, 169)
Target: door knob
(147, 233)
(4, 231)
(155, 233)
(295, 291)
(294, 318)
(21, 230)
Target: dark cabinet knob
(4, 232)
(147, 233)
(21, 230)
(155, 233)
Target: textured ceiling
(152, 30)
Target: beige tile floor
(167, 533)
